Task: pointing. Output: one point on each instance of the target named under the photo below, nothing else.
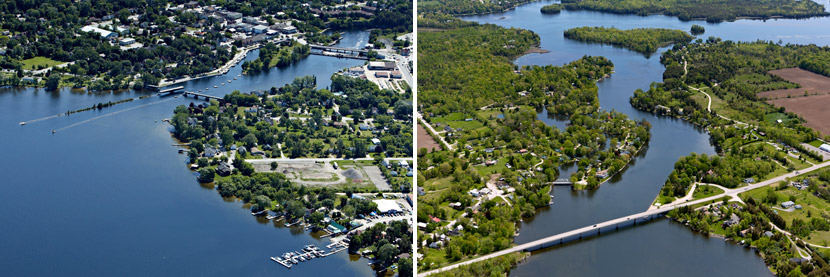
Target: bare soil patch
(811, 82)
(426, 141)
(815, 109)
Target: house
(233, 15)
(336, 228)
(733, 220)
(375, 141)
(381, 65)
(363, 127)
(396, 74)
(403, 164)
(484, 191)
(490, 162)
(787, 205)
(223, 169)
(421, 191)
(749, 180)
(382, 74)
(474, 192)
(422, 225)
(249, 20)
(210, 152)
(602, 173)
(768, 234)
(797, 207)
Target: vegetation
(389, 241)
(488, 109)
(272, 56)
(643, 40)
(712, 11)
(263, 119)
(697, 30)
(491, 267)
(462, 7)
(552, 9)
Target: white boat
(22, 123)
(215, 86)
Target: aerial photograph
(207, 138)
(623, 138)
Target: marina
(309, 252)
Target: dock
(308, 253)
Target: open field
(426, 141)
(811, 82)
(36, 62)
(311, 173)
(814, 109)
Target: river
(112, 196)
(661, 247)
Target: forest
(710, 10)
(642, 40)
(463, 7)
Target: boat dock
(309, 252)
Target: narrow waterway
(112, 196)
(661, 247)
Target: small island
(711, 11)
(642, 40)
(552, 9)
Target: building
(233, 15)
(259, 29)
(223, 169)
(126, 41)
(396, 74)
(825, 147)
(336, 228)
(386, 206)
(382, 74)
(381, 65)
(104, 33)
(787, 204)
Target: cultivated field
(426, 141)
(815, 109)
(811, 82)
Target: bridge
(616, 224)
(205, 96)
(562, 182)
(339, 52)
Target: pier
(309, 252)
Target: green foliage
(712, 11)
(462, 7)
(643, 40)
(552, 9)
(697, 30)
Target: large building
(381, 65)
(104, 33)
(825, 147)
(386, 206)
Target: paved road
(613, 222)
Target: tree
(386, 254)
(262, 202)
(53, 82)
(316, 218)
(404, 266)
(206, 175)
(274, 165)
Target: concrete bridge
(339, 52)
(616, 224)
(204, 96)
(562, 182)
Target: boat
(176, 96)
(22, 123)
(215, 86)
(234, 78)
(222, 84)
(53, 131)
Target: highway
(595, 228)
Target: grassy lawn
(39, 61)
(487, 170)
(436, 257)
(663, 199)
(438, 184)
(816, 143)
(798, 164)
(812, 206)
(466, 125)
(703, 191)
(449, 117)
(773, 117)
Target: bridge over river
(617, 223)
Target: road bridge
(617, 223)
